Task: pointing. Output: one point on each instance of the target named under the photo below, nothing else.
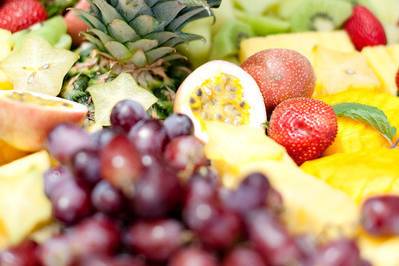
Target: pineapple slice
(383, 65)
(393, 51)
(302, 42)
(339, 71)
(354, 136)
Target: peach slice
(27, 117)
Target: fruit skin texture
(364, 28)
(397, 80)
(16, 15)
(281, 74)
(75, 24)
(304, 126)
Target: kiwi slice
(265, 25)
(255, 7)
(226, 42)
(320, 15)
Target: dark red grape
(22, 255)
(95, 235)
(56, 251)
(201, 189)
(343, 252)
(106, 198)
(157, 192)
(102, 137)
(185, 153)
(70, 201)
(103, 260)
(243, 256)
(126, 114)
(271, 239)
(65, 140)
(149, 136)
(54, 177)
(307, 244)
(178, 125)
(155, 240)
(86, 166)
(380, 215)
(250, 195)
(121, 164)
(193, 256)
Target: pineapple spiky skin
(138, 37)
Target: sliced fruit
(106, 95)
(38, 66)
(50, 30)
(23, 205)
(255, 7)
(220, 91)
(223, 13)
(281, 74)
(359, 174)
(301, 42)
(339, 71)
(27, 117)
(5, 83)
(320, 15)
(380, 251)
(6, 43)
(354, 136)
(9, 153)
(383, 65)
(265, 25)
(259, 153)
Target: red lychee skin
(305, 127)
(16, 15)
(281, 74)
(364, 28)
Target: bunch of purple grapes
(142, 193)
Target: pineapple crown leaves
(141, 32)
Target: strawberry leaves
(367, 114)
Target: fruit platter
(199, 133)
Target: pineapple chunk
(339, 71)
(302, 42)
(383, 65)
(393, 51)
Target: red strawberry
(364, 28)
(304, 126)
(16, 15)
(397, 81)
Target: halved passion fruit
(27, 117)
(220, 91)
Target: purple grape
(121, 164)
(250, 195)
(103, 260)
(271, 239)
(178, 125)
(155, 240)
(86, 166)
(157, 192)
(185, 153)
(22, 255)
(70, 201)
(200, 189)
(106, 198)
(95, 235)
(149, 136)
(380, 215)
(193, 256)
(243, 256)
(343, 252)
(54, 177)
(56, 251)
(102, 137)
(307, 245)
(65, 140)
(126, 114)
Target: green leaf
(367, 114)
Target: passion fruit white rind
(27, 117)
(220, 91)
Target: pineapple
(138, 37)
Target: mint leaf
(367, 114)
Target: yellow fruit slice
(381, 252)
(9, 153)
(360, 174)
(311, 205)
(6, 43)
(393, 51)
(23, 205)
(356, 136)
(383, 65)
(301, 42)
(338, 71)
(5, 83)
